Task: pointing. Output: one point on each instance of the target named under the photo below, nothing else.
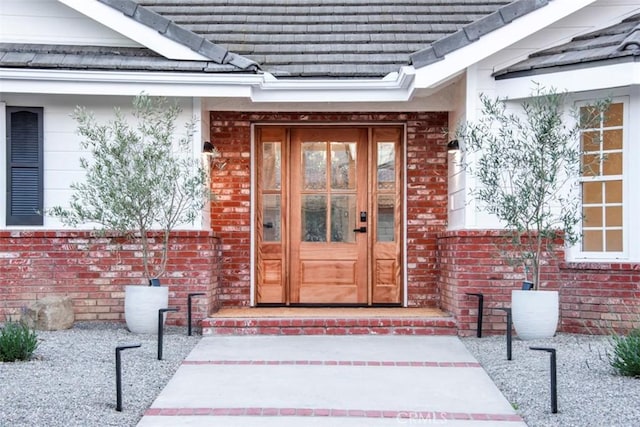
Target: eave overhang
(602, 76)
(261, 87)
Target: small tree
(139, 177)
(526, 166)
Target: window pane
(614, 240)
(591, 165)
(612, 164)
(386, 225)
(271, 226)
(314, 218)
(612, 140)
(592, 217)
(614, 216)
(592, 241)
(343, 211)
(589, 117)
(271, 166)
(314, 165)
(613, 191)
(343, 165)
(592, 192)
(613, 117)
(591, 141)
(386, 166)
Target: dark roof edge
(505, 75)
(472, 32)
(180, 35)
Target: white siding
(50, 22)
(62, 149)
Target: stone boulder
(50, 313)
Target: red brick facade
(426, 194)
(87, 269)
(442, 266)
(595, 298)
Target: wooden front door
(328, 217)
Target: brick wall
(94, 270)
(594, 297)
(426, 194)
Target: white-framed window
(603, 142)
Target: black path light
(189, 296)
(119, 374)
(480, 309)
(554, 383)
(509, 327)
(161, 328)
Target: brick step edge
(321, 326)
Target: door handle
(360, 230)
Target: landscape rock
(50, 313)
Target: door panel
(271, 229)
(328, 215)
(328, 189)
(387, 224)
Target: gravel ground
(589, 392)
(71, 381)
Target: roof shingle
(617, 43)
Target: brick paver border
(412, 364)
(330, 412)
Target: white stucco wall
(62, 149)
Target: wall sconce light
(453, 145)
(210, 152)
(208, 147)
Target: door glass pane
(386, 166)
(314, 165)
(271, 218)
(271, 165)
(343, 211)
(314, 218)
(343, 165)
(386, 225)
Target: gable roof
(614, 44)
(325, 38)
(296, 38)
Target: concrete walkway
(337, 381)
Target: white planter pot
(535, 313)
(141, 305)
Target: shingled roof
(618, 43)
(14, 55)
(288, 38)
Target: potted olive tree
(526, 162)
(142, 181)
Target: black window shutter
(24, 166)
